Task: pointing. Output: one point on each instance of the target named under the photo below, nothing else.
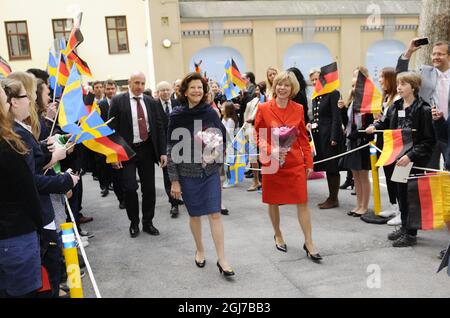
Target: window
(116, 28)
(18, 42)
(62, 28)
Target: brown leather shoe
(85, 219)
(324, 202)
(330, 204)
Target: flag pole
(312, 139)
(54, 93)
(379, 131)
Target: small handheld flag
(5, 69)
(328, 80)
(368, 99)
(428, 201)
(396, 143)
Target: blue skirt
(202, 196)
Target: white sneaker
(393, 210)
(85, 243)
(84, 238)
(396, 221)
(226, 185)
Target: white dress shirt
(163, 103)
(442, 91)
(134, 115)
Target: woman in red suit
(285, 172)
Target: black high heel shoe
(224, 272)
(315, 257)
(347, 184)
(280, 247)
(199, 264)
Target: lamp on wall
(167, 43)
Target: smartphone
(420, 42)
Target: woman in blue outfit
(20, 208)
(194, 178)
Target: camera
(420, 42)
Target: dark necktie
(167, 108)
(143, 133)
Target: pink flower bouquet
(211, 142)
(286, 137)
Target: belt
(139, 144)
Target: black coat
(419, 119)
(327, 115)
(46, 184)
(123, 123)
(104, 108)
(300, 98)
(20, 208)
(162, 111)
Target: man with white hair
(165, 106)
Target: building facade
(164, 38)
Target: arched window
(306, 56)
(382, 54)
(213, 61)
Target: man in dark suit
(138, 121)
(107, 174)
(165, 106)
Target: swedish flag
(92, 127)
(232, 81)
(237, 158)
(72, 107)
(52, 67)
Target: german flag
(368, 98)
(5, 69)
(396, 143)
(75, 38)
(428, 201)
(328, 80)
(113, 147)
(236, 76)
(82, 66)
(63, 72)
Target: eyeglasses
(21, 96)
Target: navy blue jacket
(46, 184)
(20, 207)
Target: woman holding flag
(409, 115)
(20, 210)
(358, 162)
(39, 158)
(326, 127)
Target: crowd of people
(32, 202)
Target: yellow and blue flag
(72, 107)
(92, 127)
(237, 158)
(232, 81)
(52, 67)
